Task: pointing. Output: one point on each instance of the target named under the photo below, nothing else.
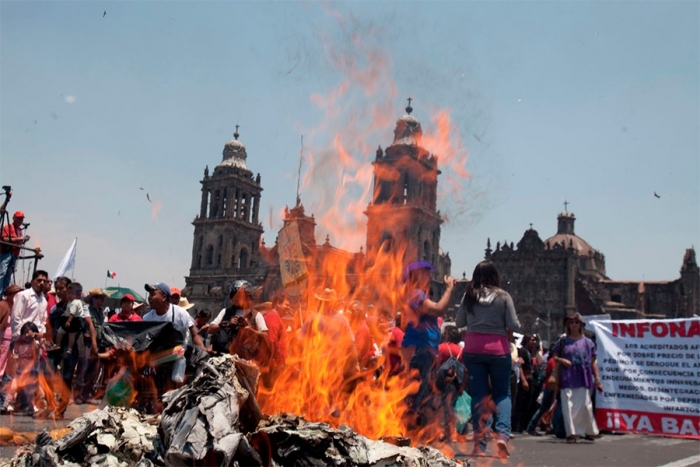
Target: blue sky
(594, 102)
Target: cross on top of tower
(236, 135)
(566, 206)
(530, 225)
(409, 109)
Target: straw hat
(96, 292)
(184, 303)
(328, 295)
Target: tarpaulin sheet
(143, 335)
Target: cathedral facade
(563, 273)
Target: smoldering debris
(294, 441)
(215, 420)
(114, 437)
(203, 422)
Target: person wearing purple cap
(422, 337)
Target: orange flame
(324, 378)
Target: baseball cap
(19, 214)
(415, 265)
(162, 286)
(127, 296)
(175, 291)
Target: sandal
(571, 440)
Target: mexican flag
(111, 274)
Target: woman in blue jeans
(489, 314)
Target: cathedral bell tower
(226, 231)
(402, 217)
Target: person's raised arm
(432, 308)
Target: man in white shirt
(162, 310)
(30, 306)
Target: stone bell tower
(402, 215)
(226, 231)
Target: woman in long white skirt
(576, 354)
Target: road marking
(683, 462)
(666, 441)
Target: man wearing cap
(175, 295)
(159, 298)
(224, 328)
(126, 312)
(11, 233)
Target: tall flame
(322, 379)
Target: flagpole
(72, 273)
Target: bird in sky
(104, 13)
(148, 198)
(657, 195)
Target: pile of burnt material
(294, 441)
(215, 420)
(112, 437)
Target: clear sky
(596, 103)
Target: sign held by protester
(651, 376)
(292, 261)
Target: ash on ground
(215, 420)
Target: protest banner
(650, 371)
(292, 260)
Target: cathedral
(563, 273)
(546, 278)
(228, 235)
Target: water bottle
(178, 374)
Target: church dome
(565, 234)
(408, 130)
(234, 153)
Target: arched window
(218, 259)
(426, 251)
(243, 259)
(233, 261)
(221, 240)
(201, 243)
(199, 261)
(387, 242)
(210, 255)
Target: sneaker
(534, 433)
(78, 401)
(503, 451)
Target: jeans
(547, 400)
(7, 268)
(424, 360)
(483, 368)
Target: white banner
(650, 371)
(68, 262)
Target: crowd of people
(56, 350)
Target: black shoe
(533, 433)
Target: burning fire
(322, 380)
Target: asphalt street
(628, 450)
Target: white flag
(68, 261)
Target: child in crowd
(71, 318)
(26, 354)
